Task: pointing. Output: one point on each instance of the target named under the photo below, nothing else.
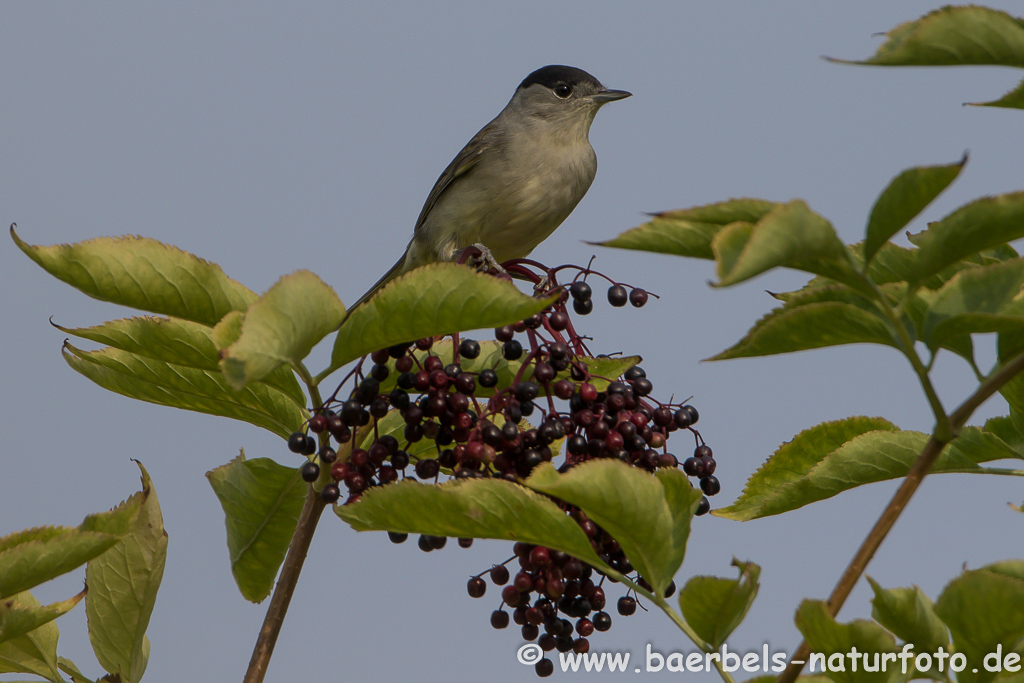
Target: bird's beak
(606, 96)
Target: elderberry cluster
(532, 394)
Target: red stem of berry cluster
(290, 571)
(899, 501)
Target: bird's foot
(486, 260)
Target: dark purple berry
(487, 378)
(499, 619)
(580, 291)
(602, 621)
(310, 471)
(499, 574)
(703, 507)
(694, 467)
(638, 298)
(476, 587)
(626, 605)
(544, 667)
(297, 442)
(559, 320)
(469, 348)
(330, 494)
(617, 296)
(512, 350)
(710, 485)
(583, 306)
(397, 537)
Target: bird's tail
(394, 272)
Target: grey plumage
(517, 179)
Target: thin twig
(290, 570)
(899, 501)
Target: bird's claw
(486, 259)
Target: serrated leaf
(33, 556)
(689, 232)
(471, 508)
(790, 236)
(979, 225)
(954, 36)
(905, 197)
(434, 300)
(910, 615)
(982, 609)
(976, 300)
(178, 342)
(144, 274)
(810, 326)
(203, 391)
(123, 584)
(281, 327)
(836, 641)
(33, 653)
(1011, 100)
(832, 457)
(262, 501)
(649, 515)
(715, 606)
(18, 618)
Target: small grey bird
(517, 179)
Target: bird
(517, 179)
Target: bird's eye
(563, 90)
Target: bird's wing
(463, 162)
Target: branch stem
(290, 571)
(930, 453)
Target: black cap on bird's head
(556, 74)
(569, 82)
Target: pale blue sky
(271, 138)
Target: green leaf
(982, 224)
(33, 556)
(689, 232)
(144, 274)
(975, 300)
(649, 515)
(714, 606)
(434, 300)
(35, 652)
(836, 641)
(954, 36)
(1011, 100)
(18, 618)
(123, 583)
(982, 609)
(910, 615)
(281, 327)
(203, 391)
(810, 326)
(178, 342)
(832, 457)
(905, 197)
(790, 236)
(262, 501)
(68, 667)
(1002, 428)
(471, 508)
